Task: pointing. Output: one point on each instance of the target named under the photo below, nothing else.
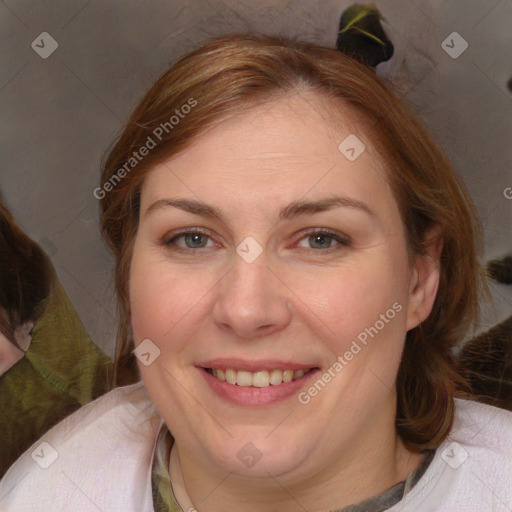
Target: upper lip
(253, 366)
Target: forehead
(275, 153)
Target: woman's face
(255, 294)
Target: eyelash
(344, 242)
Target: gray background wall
(59, 114)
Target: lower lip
(250, 395)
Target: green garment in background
(61, 371)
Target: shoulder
(472, 468)
(97, 458)
(484, 426)
(63, 353)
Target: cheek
(368, 320)
(350, 299)
(160, 297)
(148, 302)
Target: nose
(253, 300)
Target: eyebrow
(295, 209)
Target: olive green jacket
(61, 371)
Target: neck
(364, 469)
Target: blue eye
(319, 236)
(192, 240)
(197, 239)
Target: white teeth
(230, 376)
(244, 378)
(287, 375)
(276, 377)
(261, 379)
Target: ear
(424, 281)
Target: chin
(260, 455)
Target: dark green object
(61, 371)
(362, 37)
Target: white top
(100, 459)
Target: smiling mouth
(260, 379)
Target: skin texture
(303, 300)
(9, 353)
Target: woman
(295, 259)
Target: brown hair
(232, 73)
(25, 277)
